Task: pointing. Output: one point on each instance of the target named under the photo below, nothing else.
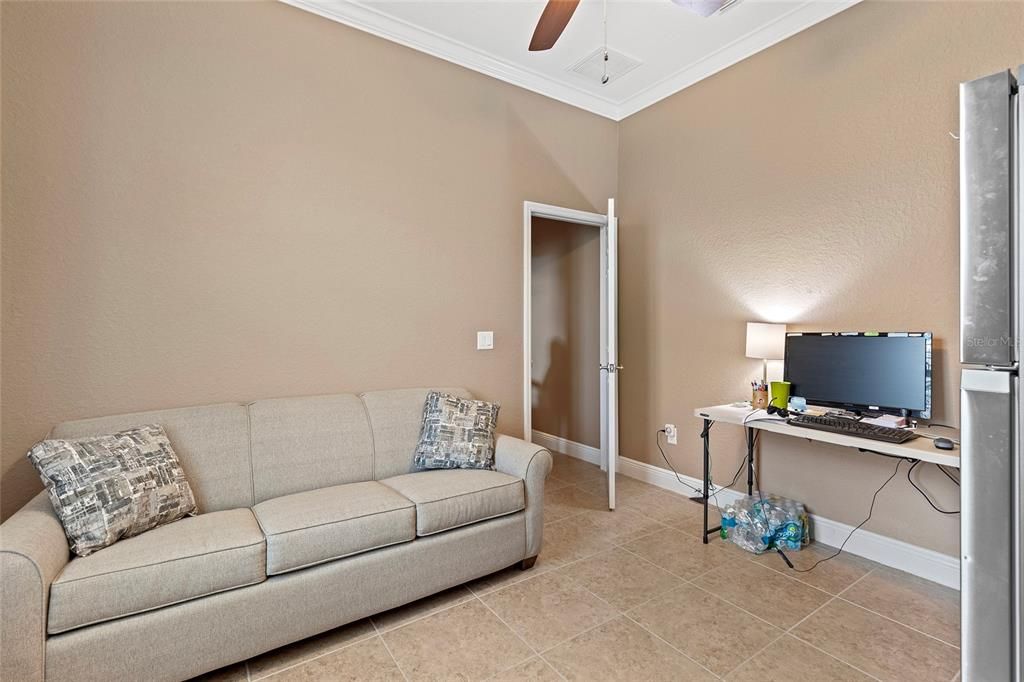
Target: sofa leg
(526, 564)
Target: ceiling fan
(557, 13)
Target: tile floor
(635, 595)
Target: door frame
(531, 210)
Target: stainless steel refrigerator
(991, 322)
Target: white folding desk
(917, 449)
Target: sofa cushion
(449, 498)
(190, 558)
(395, 417)
(456, 433)
(330, 523)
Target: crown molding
(379, 24)
(791, 23)
(352, 13)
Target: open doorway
(566, 336)
(570, 339)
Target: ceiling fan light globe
(704, 8)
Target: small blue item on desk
(797, 404)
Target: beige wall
(197, 198)
(566, 330)
(228, 201)
(814, 183)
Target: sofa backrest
(306, 443)
(212, 443)
(237, 455)
(395, 417)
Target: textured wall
(814, 183)
(226, 201)
(566, 330)
(197, 197)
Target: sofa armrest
(532, 463)
(33, 551)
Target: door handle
(610, 368)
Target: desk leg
(706, 436)
(750, 461)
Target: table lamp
(766, 342)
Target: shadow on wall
(552, 395)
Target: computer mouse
(943, 443)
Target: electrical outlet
(671, 434)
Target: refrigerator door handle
(1017, 170)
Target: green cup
(780, 394)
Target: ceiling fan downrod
(604, 75)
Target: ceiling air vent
(591, 67)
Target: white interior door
(610, 350)
(609, 355)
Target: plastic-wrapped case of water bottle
(758, 523)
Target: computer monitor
(887, 372)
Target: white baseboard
(568, 447)
(919, 561)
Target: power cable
(949, 475)
(871, 511)
(924, 494)
(712, 491)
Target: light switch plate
(484, 340)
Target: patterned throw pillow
(457, 433)
(110, 487)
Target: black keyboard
(849, 427)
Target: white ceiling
(676, 48)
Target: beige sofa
(311, 517)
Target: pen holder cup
(759, 400)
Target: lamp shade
(766, 341)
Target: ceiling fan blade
(552, 22)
